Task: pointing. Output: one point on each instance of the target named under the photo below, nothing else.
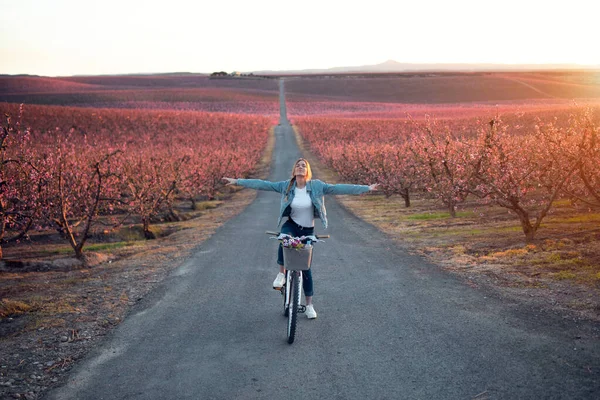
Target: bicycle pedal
(301, 309)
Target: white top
(302, 208)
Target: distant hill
(15, 84)
(391, 66)
(39, 84)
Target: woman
(301, 201)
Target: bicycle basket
(297, 259)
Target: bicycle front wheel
(284, 293)
(295, 288)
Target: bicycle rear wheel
(295, 293)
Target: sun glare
(66, 37)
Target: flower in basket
(292, 242)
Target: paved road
(390, 326)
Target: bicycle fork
(287, 293)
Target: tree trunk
(146, 226)
(0, 245)
(528, 229)
(79, 252)
(71, 238)
(2, 225)
(452, 209)
(173, 216)
(406, 196)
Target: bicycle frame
(292, 289)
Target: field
(482, 201)
(172, 92)
(118, 179)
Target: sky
(81, 37)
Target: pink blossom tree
(81, 183)
(520, 173)
(391, 165)
(150, 178)
(442, 161)
(588, 165)
(578, 145)
(394, 168)
(20, 181)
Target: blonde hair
(308, 174)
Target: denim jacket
(316, 189)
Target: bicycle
(296, 259)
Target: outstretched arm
(343, 188)
(258, 184)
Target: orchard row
(68, 168)
(523, 163)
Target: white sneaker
(279, 281)
(310, 312)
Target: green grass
(60, 250)
(515, 228)
(71, 281)
(438, 215)
(135, 233)
(13, 307)
(207, 205)
(562, 203)
(556, 260)
(564, 275)
(464, 231)
(109, 246)
(580, 218)
(553, 258)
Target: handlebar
(279, 233)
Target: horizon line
(368, 68)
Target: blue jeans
(293, 229)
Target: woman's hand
(230, 181)
(373, 187)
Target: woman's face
(300, 168)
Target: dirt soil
(55, 308)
